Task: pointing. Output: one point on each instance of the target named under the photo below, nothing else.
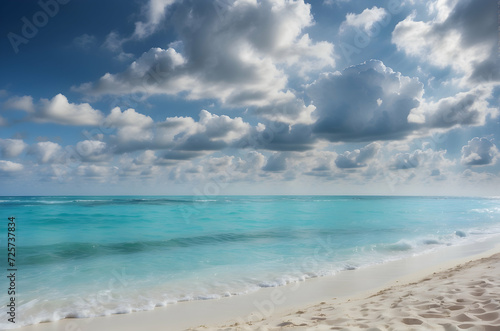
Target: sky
(220, 97)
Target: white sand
(466, 297)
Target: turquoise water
(88, 256)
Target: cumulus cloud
(277, 162)
(288, 109)
(10, 167)
(222, 127)
(358, 157)
(279, 136)
(365, 20)
(47, 152)
(250, 163)
(421, 158)
(365, 102)
(59, 110)
(465, 108)
(319, 163)
(462, 35)
(10, 148)
(233, 57)
(133, 129)
(146, 158)
(180, 138)
(479, 152)
(92, 151)
(211, 132)
(56, 110)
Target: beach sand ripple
(466, 297)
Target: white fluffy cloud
(365, 20)
(133, 128)
(56, 110)
(236, 58)
(47, 152)
(59, 110)
(462, 35)
(11, 147)
(211, 132)
(479, 152)
(10, 167)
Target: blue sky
(249, 97)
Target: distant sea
(90, 256)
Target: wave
(103, 202)
(55, 253)
(127, 303)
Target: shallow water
(88, 256)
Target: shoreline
(268, 303)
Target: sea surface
(90, 256)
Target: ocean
(100, 255)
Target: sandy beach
(466, 297)
(455, 288)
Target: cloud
(3, 121)
(56, 110)
(210, 133)
(146, 158)
(365, 102)
(133, 129)
(278, 136)
(24, 103)
(181, 138)
(47, 152)
(358, 157)
(139, 167)
(222, 127)
(236, 58)
(465, 108)
(10, 148)
(85, 41)
(98, 172)
(92, 151)
(319, 163)
(59, 110)
(462, 35)
(154, 12)
(421, 158)
(365, 20)
(10, 167)
(288, 109)
(277, 162)
(251, 163)
(479, 152)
